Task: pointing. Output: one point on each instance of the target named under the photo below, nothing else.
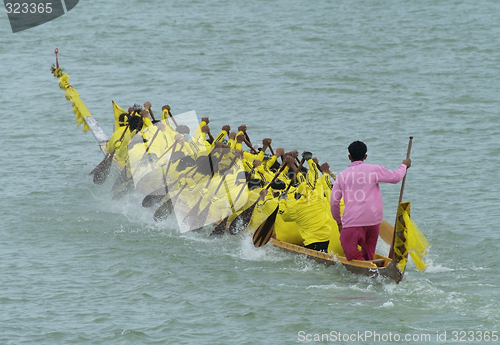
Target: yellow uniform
(113, 146)
(311, 215)
(286, 231)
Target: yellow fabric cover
(79, 107)
(117, 111)
(416, 243)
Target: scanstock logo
(26, 14)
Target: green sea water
(77, 267)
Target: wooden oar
(221, 227)
(264, 232)
(166, 151)
(168, 206)
(243, 219)
(150, 112)
(249, 144)
(334, 177)
(172, 117)
(211, 137)
(271, 149)
(391, 252)
(123, 177)
(247, 138)
(294, 180)
(123, 189)
(101, 171)
(386, 232)
(150, 144)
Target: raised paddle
(150, 144)
(294, 177)
(101, 171)
(271, 149)
(247, 138)
(391, 252)
(172, 117)
(264, 232)
(243, 219)
(334, 177)
(150, 111)
(210, 137)
(249, 144)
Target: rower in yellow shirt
(309, 210)
(116, 140)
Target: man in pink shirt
(358, 185)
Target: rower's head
(185, 162)
(137, 108)
(182, 129)
(357, 151)
(135, 122)
(241, 178)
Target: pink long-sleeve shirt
(358, 185)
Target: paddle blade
(386, 232)
(101, 171)
(164, 210)
(220, 228)
(151, 200)
(242, 220)
(264, 232)
(201, 218)
(154, 198)
(190, 218)
(122, 190)
(123, 177)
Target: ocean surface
(77, 267)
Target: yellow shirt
(311, 214)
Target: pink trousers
(365, 236)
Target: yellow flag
(79, 107)
(411, 241)
(117, 111)
(417, 244)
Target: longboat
(381, 266)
